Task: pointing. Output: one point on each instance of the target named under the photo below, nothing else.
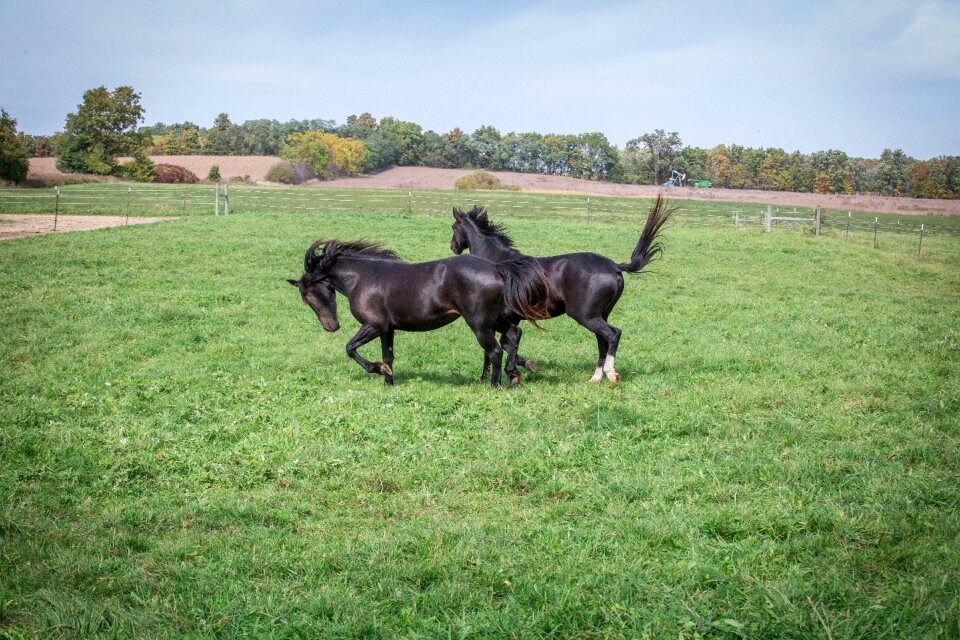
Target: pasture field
(197, 200)
(185, 453)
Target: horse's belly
(429, 323)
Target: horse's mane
(488, 227)
(331, 249)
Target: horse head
(315, 287)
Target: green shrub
(214, 175)
(483, 181)
(288, 173)
(281, 172)
(140, 169)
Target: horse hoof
(385, 369)
(515, 380)
(614, 378)
(531, 366)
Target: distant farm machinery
(677, 178)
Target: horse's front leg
(367, 333)
(529, 365)
(509, 342)
(386, 364)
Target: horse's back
(581, 282)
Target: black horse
(585, 286)
(387, 294)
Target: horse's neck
(492, 248)
(346, 275)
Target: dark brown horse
(387, 294)
(585, 286)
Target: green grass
(139, 199)
(185, 453)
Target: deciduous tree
(330, 156)
(891, 173)
(13, 153)
(103, 128)
(663, 152)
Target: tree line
(650, 158)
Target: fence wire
(200, 200)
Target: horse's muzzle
(329, 325)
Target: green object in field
(703, 184)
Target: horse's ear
(293, 282)
(457, 214)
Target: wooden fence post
(56, 209)
(226, 199)
(920, 246)
(767, 220)
(216, 201)
(129, 195)
(876, 221)
(817, 223)
(848, 225)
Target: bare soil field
(254, 169)
(423, 178)
(19, 226)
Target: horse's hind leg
(492, 352)
(609, 334)
(486, 368)
(602, 347)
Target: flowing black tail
(647, 249)
(524, 289)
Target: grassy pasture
(185, 453)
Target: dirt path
(19, 226)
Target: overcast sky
(812, 75)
